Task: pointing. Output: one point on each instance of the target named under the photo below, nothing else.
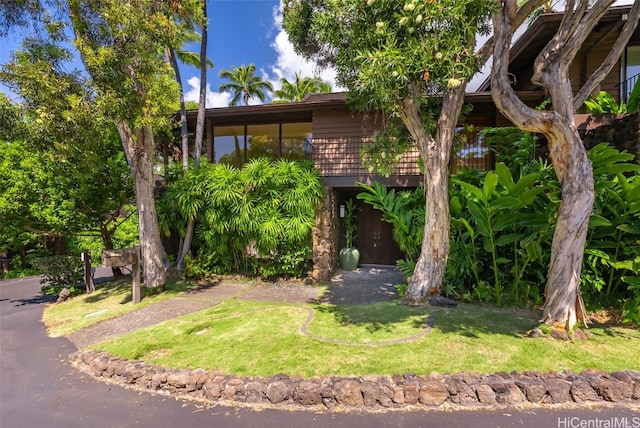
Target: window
(234, 145)
(630, 72)
(296, 141)
(228, 145)
(263, 141)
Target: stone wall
(325, 237)
(622, 133)
(381, 392)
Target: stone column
(325, 237)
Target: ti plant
(498, 217)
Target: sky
(241, 32)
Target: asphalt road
(38, 389)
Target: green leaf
(632, 280)
(504, 176)
(526, 181)
(629, 228)
(596, 221)
(480, 216)
(616, 169)
(476, 192)
(507, 239)
(504, 202)
(490, 183)
(508, 220)
(534, 250)
(530, 195)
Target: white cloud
(288, 63)
(214, 99)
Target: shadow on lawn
(473, 320)
(468, 320)
(381, 316)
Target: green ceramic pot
(349, 258)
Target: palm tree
(244, 83)
(194, 59)
(299, 89)
(204, 62)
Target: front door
(375, 238)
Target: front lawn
(266, 338)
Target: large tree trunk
(431, 265)
(139, 148)
(563, 305)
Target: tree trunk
(140, 148)
(183, 110)
(431, 265)
(564, 305)
(197, 149)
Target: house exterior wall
(338, 137)
(591, 55)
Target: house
(323, 128)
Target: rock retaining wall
(622, 133)
(370, 391)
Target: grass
(265, 338)
(109, 300)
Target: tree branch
(501, 91)
(521, 15)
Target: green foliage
(502, 225)
(66, 173)
(382, 154)
(290, 261)
(264, 210)
(60, 272)
(605, 103)
(382, 47)
(349, 224)
(497, 219)
(612, 255)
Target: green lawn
(264, 338)
(109, 300)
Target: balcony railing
(627, 86)
(340, 157)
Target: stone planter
(349, 258)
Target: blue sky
(240, 32)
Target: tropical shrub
(612, 255)
(60, 272)
(502, 225)
(255, 220)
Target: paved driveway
(38, 389)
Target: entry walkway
(362, 286)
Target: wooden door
(375, 238)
